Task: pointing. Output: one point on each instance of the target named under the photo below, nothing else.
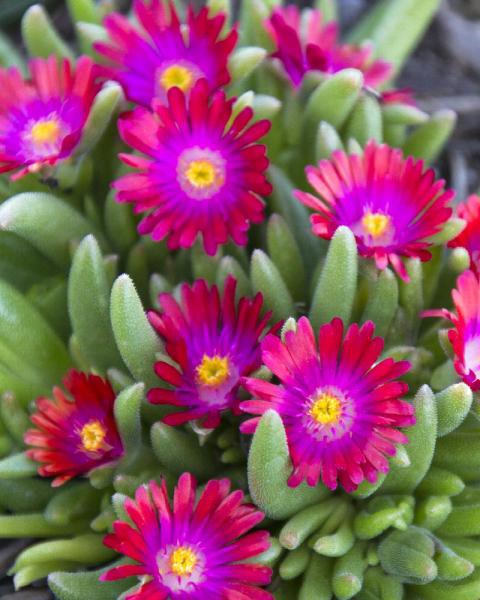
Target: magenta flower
(203, 175)
(42, 120)
(162, 53)
(308, 44)
(75, 434)
(340, 407)
(191, 549)
(392, 205)
(469, 238)
(465, 336)
(215, 342)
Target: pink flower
(469, 238)
(42, 120)
(393, 205)
(162, 53)
(465, 335)
(191, 549)
(340, 407)
(76, 434)
(203, 175)
(308, 44)
(214, 341)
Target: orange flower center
(93, 436)
(375, 224)
(183, 561)
(213, 370)
(326, 409)
(177, 76)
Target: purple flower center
(201, 172)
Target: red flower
(162, 52)
(465, 335)
(304, 43)
(469, 238)
(215, 342)
(392, 204)
(192, 550)
(74, 435)
(203, 175)
(42, 120)
(340, 407)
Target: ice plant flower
(162, 53)
(465, 335)
(392, 204)
(191, 549)
(305, 43)
(341, 409)
(469, 238)
(75, 434)
(215, 342)
(42, 120)
(202, 175)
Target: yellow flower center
(202, 174)
(177, 76)
(375, 223)
(183, 561)
(92, 436)
(45, 132)
(213, 370)
(326, 409)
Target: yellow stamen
(202, 174)
(177, 76)
(45, 132)
(92, 436)
(183, 561)
(213, 370)
(326, 409)
(375, 223)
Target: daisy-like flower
(75, 434)
(162, 53)
(469, 238)
(340, 408)
(214, 342)
(202, 175)
(465, 336)
(42, 120)
(393, 205)
(305, 43)
(191, 549)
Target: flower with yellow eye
(161, 52)
(340, 407)
(42, 120)
(191, 549)
(214, 341)
(73, 435)
(392, 204)
(204, 171)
